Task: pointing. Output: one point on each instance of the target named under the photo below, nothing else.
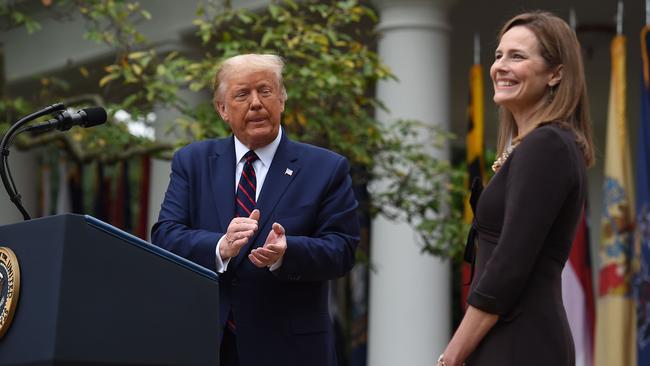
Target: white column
(409, 310)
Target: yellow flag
(475, 159)
(616, 318)
(475, 145)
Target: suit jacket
(282, 317)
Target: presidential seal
(9, 288)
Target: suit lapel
(282, 172)
(222, 173)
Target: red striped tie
(244, 202)
(245, 197)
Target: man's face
(252, 105)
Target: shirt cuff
(220, 265)
(276, 265)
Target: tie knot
(250, 156)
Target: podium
(91, 294)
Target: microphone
(87, 117)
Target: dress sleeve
(541, 175)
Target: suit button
(234, 282)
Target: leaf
(137, 55)
(128, 101)
(274, 10)
(196, 86)
(171, 56)
(245, 18)
(291, 4)
(32, 26)
(200, 10)
(137, 69)
(266, 38)
(107, 79)
(301, 119)
(111, 68)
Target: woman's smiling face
(520, 75)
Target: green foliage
(329, 70)
(412, 185)
(148, 77)
(12, 15)
(330, 76)
(10, 110)
(113, 22)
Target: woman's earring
(551, 94)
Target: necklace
(504, 156)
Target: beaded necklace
(504, 156)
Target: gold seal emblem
(9, 287)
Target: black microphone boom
(87, 117)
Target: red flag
(578, 295)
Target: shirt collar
(265, 153)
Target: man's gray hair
(247, 62)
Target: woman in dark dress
(527, 215)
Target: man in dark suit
(275, 217)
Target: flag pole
(572, 18)
(643, 196)
(477, 48)
(619, 18)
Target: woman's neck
(524, 127)
(527, 120)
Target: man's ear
(556, 77)
(221, 109)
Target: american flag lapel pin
(288, 172)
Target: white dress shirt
(261, 167)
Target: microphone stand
(5, 174)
